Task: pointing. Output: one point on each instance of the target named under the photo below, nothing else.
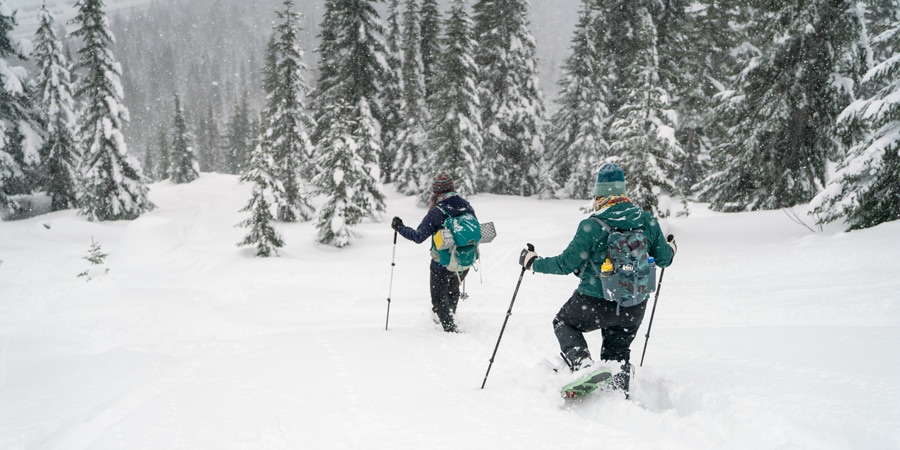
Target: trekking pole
(391, 283)
(653, 311)
(508, 313)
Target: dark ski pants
(445, 295)
(582, 314)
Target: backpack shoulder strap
(589, 261)
(603, 224)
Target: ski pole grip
(530, 247)
(669, 238)
(395, 237)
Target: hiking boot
(577, 364)
(622, 380)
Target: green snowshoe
(587, 384)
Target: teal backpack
(455, 245)
(633, 274)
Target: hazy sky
(552, 25)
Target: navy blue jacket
(454, 205)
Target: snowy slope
(766, 336)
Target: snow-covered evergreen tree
(865, 189)
(113, 187)
(409, 169)
(392, 93)
(368, 192)
(239, 138)
(512, 109)
(352, 62)
(882, 17)
(208, 142)
(697, 46)
(262, 233)
(184, 167)
(351, 66)
(165, 152)
(149, 163)
(576, 142)
(18, 156)
(346, 178)
(700, 60)
(430, 21)
(641, 133)
(288, 119)
(788, 98)
(454, 132)
(53, 98)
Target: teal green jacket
(590, 243)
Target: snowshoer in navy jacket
(444, 283)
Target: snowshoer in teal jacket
(587, 310)
(590, 243)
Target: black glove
(396, 223)
(670, 239)
(527, 257)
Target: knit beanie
(610, 181)
(442, 183)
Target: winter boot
(622, 380)
(577, 363)
(448, 324)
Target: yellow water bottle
(606, 269)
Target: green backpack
(455, 245)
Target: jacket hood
(622, 216)
(454, 205)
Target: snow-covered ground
(766, 336)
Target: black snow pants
(583, 313)
(445, 295)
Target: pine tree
(149, 164)
(184, 167)
(208, 139)
(97, 259)
(53, 94)
(288, 119)
(641, 132)
(346, 179)
(881, 201)
(409, 170)
(351, 65)
(699, 61)
(512, 109)
(430, 44)
(165, 160)
(351, 62)
(454, 137)
(239, 139)
(576, 140)
(777, 152)
(392, 93)
(865, 190)
(882, 17)
(113, 187)
(18, 157)
(259, 172)
(330, 75)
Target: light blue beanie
(610, 181)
